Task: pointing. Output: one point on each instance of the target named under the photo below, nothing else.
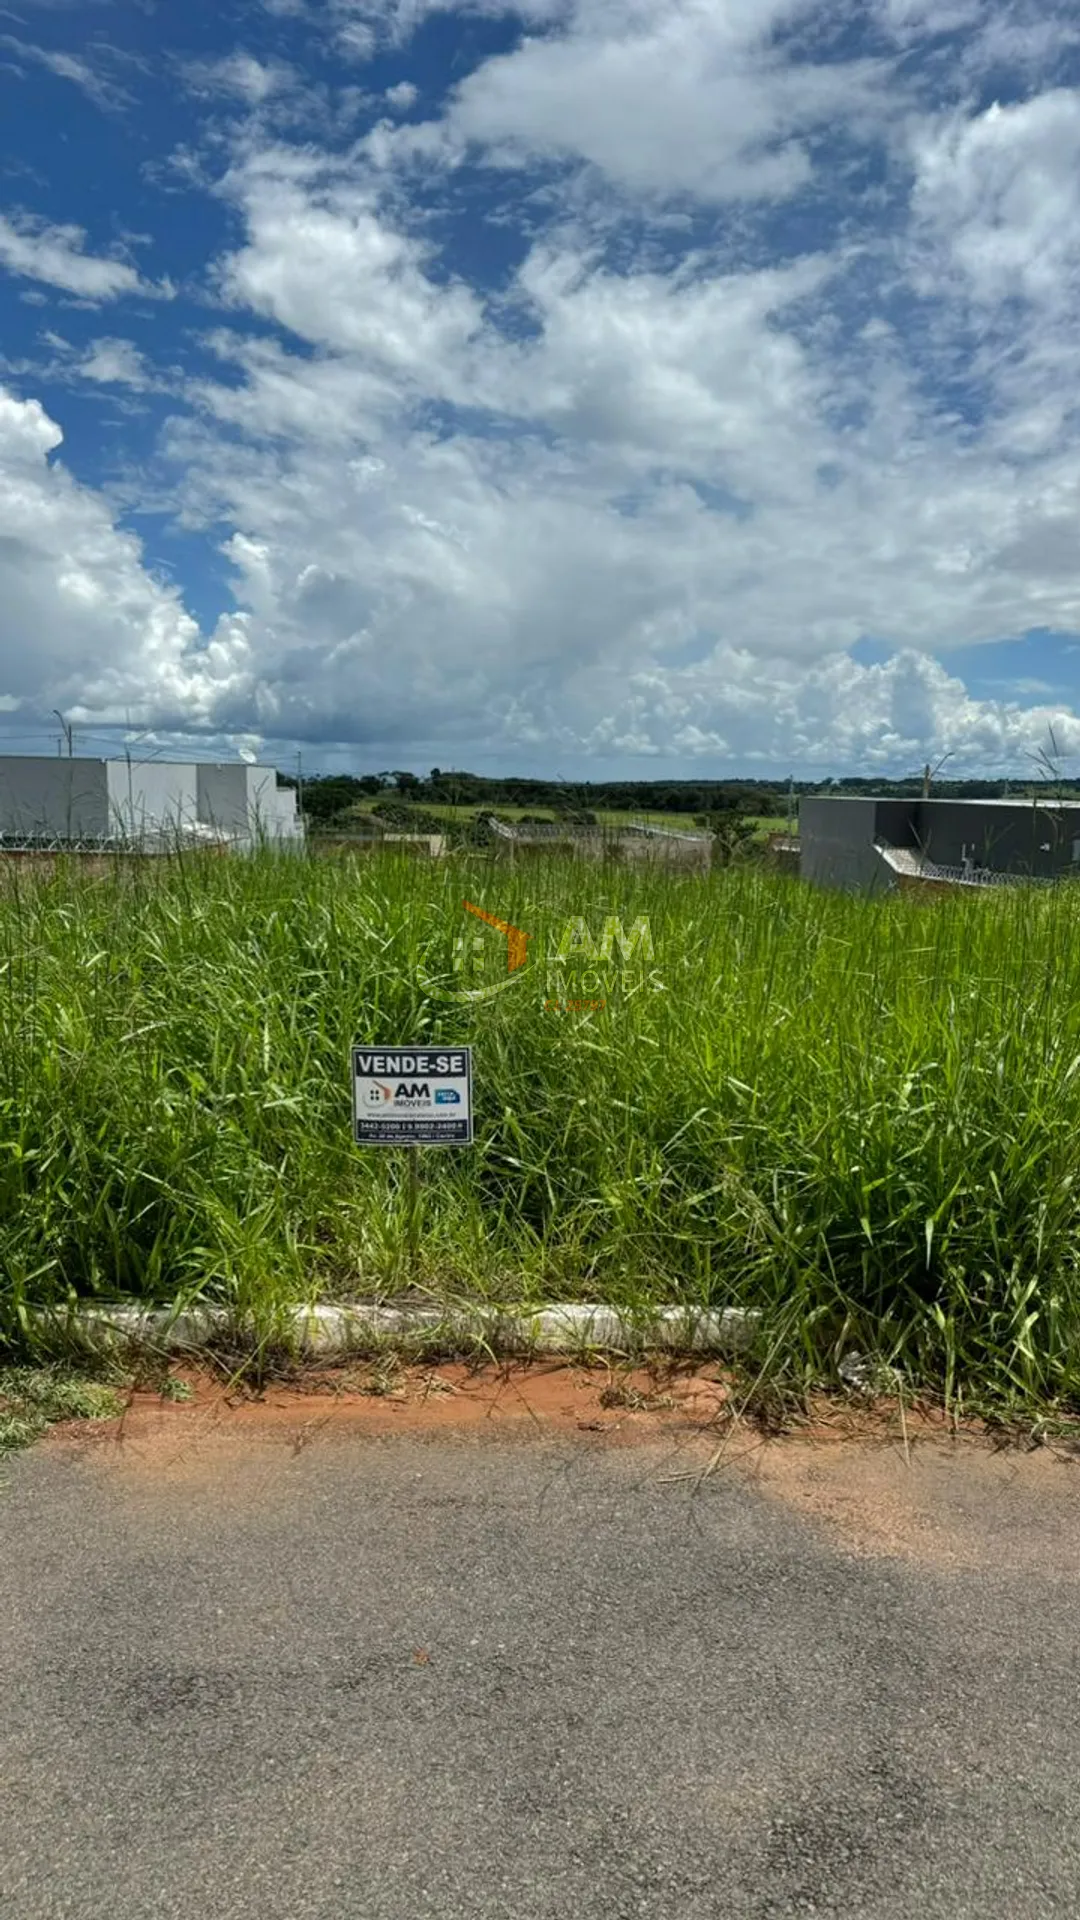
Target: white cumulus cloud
(322, 260)
(681, 97)
(86, 628)
(999, 197)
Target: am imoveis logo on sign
(414, 1096)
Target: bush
(400, 817)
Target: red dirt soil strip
(554, 1398)
(871, 1482)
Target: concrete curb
(331, 1330)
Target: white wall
(246, 802)
(289, 824)
(152, 799)
(77, 799)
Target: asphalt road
(476, 1677)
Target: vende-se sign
(412, 1096)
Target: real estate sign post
(412, 1097)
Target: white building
(245, 803)
(150, 804)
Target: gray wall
(53, 799)
(1005, 836)
(837, 835)
(223, 797)
(836, 843)
(896, 822)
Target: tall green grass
(861, 1117)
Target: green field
(463, 816)
(861, 1118)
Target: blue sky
(579, 386)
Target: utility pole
(930, 773)
(71, 770)
(300, 785)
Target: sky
(591, 388)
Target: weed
(385, 1379)
(623, 1393)
(433, 1383)
(32, 1399)
(175, 1389)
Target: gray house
(867, 845)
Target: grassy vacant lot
(861, 1117)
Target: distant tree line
(326, 796)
